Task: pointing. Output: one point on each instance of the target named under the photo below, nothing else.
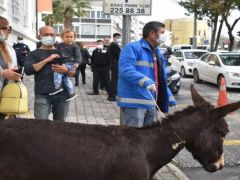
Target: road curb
(170, 172)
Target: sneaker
(58, 90)
(71, 97)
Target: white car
(213, 66)
(183, 60)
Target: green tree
(65, 10)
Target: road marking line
(231, 142)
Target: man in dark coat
(114, 50)
(100, 67)
(21, 50)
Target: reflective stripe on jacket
(136, 72)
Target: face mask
(118, 40)
(161, 38)
(48, 40)
(100, 46)
(19, 41)
(2, 37)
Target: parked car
(182, 60)
(177, 47)
(213, 66)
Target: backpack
(14, 99)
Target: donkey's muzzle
(215, 166)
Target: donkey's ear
(222, 111)
(197, 99)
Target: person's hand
(152, 87)
(9, 74)
(52, 57)
(59, 68)
(76, 65)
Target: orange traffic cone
(222, 96)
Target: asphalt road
(232, 143)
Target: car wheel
(196, 76)
(219, 80)
(183, 73)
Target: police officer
(21, 50)
(100, 67)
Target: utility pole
(126, 26)
(195, 31)
(126, 29)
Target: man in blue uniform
(141, 72)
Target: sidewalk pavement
(96, 109)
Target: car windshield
(230, 59)
(193, 54)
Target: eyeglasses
(7, 28)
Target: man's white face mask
(47, 40)
(100, 46)
(2, 37)
(119, 40)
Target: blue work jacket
(136, 72)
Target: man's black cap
(20, 38)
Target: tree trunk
(230, 29)
(68, 23)
(215, 23)
(218, 35)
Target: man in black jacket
(100, 67)
(21, 50)
(114, 50)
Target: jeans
(136, 117)
(57, 104)
(59, 77)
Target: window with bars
(15, 8)
(104, 30)
(25, 12)
(88, 29)
(2, 2)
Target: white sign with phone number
(127, 7)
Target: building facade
(21, 15)
(97, 25)
(182, 30)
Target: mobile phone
(19, 70)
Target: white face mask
(2, 37)
(100, 46)
(119, 40)
(20, 41)
(162, 38)
(48, 40)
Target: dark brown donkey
(46, 150)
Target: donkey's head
(207, 144)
